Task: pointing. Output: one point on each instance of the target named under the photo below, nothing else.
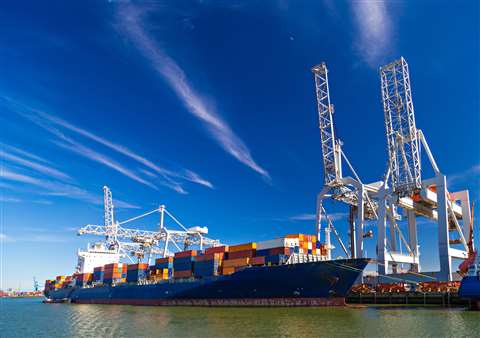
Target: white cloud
(460, 177)
(311, 217)
(41, 168)
(374, 30)
(54, 188)
(25, 153)
(9, 199)
(131, 24)
(103, 159)
(48, 122)
(4, 238)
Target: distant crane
(36, 285)
(141, 243)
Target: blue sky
(209, 107)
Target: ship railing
(298, 258)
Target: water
(31, 318)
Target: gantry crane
(141, 243)
(349, 190)
(404, 188)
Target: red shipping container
(283, 250)
(188, 253)
(219, 249)
(182, 274)
(98, 269)
(110, 266)
(209, 257)
(258, 260)
(164, 260)
(139, 266)
(242, 254)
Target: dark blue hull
(470, 287)
(316, 283)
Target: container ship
(291, 271)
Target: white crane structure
(404, 188)
(349, 190)
(401, 193)
(128, 242)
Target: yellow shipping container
(242, 247)
(228, 263)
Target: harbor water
(32, 318)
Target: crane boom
(402, 137)
(330, 146)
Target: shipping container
(259, 260)
(182, 274)
(217, 249)
(279, 242)
(188, 253)
(228, 270)
(242, 247)
(241, 254)
(236, 262)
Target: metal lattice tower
(108, 220)
(402, 139)
(330, 148)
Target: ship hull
(323, 283)
(470, 289)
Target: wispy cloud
(41, 168)
(10, 199)
(54, 188)
(131, 24)
(469, 174)
(24, 153)
(311, 217)
(51, 124)
(374, 30)
(4, 238)
(93, 155)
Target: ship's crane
(349, 190)
(404, 188)
(141, 243)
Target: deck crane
(141, 243)
(349, 190)
(404, 188)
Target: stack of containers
(307, 243)
(275, 251)
(239, 256)
(83, 279)
(59, 280)
(114, 273)
(183, 264)
(208, 265)
(163, 268)
(98, 274)
(136, 272)
(68, 282)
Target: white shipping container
(278, 242)
(310, 247)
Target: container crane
(404, 188)
(349, 190)
(141, 243)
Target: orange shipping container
(299, 236)
(219, 249)
(242, 247)
(258, 260)
(228, 270)
(236, 262)
(241, 254)
(139, 266)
